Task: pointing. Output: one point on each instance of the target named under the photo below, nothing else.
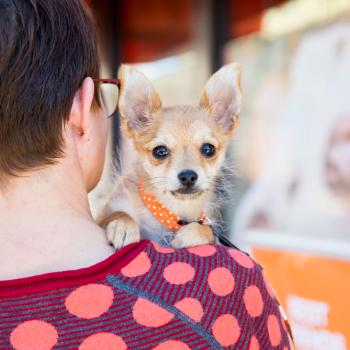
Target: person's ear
(222, 96)
(80, 114)
(138, 100)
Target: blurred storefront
(293, 153)
(290, 202)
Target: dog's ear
(222, 96)
(138, 100)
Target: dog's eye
(160, 152)
(208, 150)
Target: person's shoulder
(223, 272)
(218, 289)
(200, 271)
(215, 267)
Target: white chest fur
(152, 229)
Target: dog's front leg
(121, 229)
(193, 234)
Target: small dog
(171, 159)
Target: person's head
(49, 107)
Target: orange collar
(163, 214)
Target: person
(62, 286)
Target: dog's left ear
(222, 96)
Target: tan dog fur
(183, 129)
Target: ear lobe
(222, 96)
(138, 99)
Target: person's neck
(46, 224)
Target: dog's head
(182, 148)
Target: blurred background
(290, 196)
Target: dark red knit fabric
(146, 297)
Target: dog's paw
(123, 231)
(193, 234)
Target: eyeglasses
(109, 93)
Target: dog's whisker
(154, 182)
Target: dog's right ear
(138, 100)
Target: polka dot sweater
(146, 297)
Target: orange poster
(315, 293)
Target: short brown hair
(47, 48)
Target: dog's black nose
(188, 178)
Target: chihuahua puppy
(171, 158)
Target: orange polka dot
(191, 307)
(103, 341)
(137, 267)
(274, 330)
(241, 258)
(253, 301)
(226, 330)
(254, 344)
(90, 301)
(173, 345)
(161, 249)
(149, 314)
(34, 334)
(178, 273)
(221, 281)
(203, 250)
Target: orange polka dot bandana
(170, 220)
